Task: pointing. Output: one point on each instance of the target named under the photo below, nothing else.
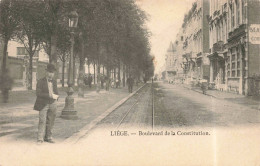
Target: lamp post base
(69, 115)
(68, 112)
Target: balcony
(216, 12)
(218, 47)
(238, 31)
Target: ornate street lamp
(68, 112)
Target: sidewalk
(250, 101)
(19, 122)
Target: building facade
(234, 45)
(171, 63)
(192, 44)
(218, 43)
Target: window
(21, 51)
(225, 30)
(238, 73)
(243, 12)
(238, 65)
(238, 56)
(232, 16)
(233, 57)
(233, 73)
(238, 12)
(233, 65)
(218, 32)
(36, 53)
(228, 73)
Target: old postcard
(130, 82)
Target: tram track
(130, 109)
(105, 120)
(129, 116)
(133, 111)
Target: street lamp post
(68, 112)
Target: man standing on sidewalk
(47, 95)
(130, 83)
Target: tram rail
(135, 103)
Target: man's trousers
(130, 88)
(46, 121)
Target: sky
(165, 20)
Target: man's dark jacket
(130, 81)
(42, 93)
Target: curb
(200, 92)
(83, 131)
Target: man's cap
(50, 68)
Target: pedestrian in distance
(117, 83)
(204, 86)
(130, 83)
(90, 79)
(136, 82)
(6, 83)
(112, 84)
(86, 80)
(107, 79)
(47, 96)
(102, 79)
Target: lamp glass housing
(73, 19)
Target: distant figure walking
(90, 79)
(130, 83)
(117, 83)
(204, 86)
(102, 79)
(6, 83)
(107, 79)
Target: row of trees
(110, 32)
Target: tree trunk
(127, 71)
(81, 72)
(94, 73)
(5, 56)
(98, 71)
(88, 68)
(118, 76)
(53, 57)
(98, 78)
(63, 72)
(114, 73)
(108, 74)
(30, 72)
(124, 75)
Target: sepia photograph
(129, 82)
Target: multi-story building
(193, 43)
(182, 65)
(218, 31)
(234, 43)
(170, 63)
(18, 64)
